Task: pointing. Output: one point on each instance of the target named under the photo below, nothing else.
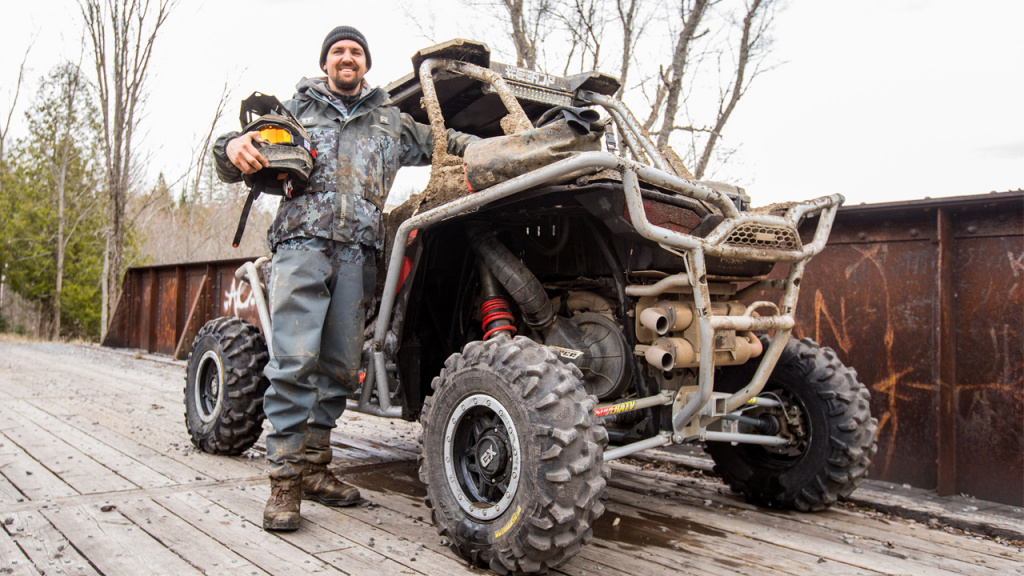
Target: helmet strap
(254, 193)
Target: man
(325, 243)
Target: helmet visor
(275, 135)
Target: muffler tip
(660, 358)
(655, 319)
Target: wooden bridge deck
(97, 477)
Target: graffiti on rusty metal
(1016, 265)
(892, 379)
(238, 297)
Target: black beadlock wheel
(513, 458)
(827, 414)
(224, 386)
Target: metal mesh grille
(764, 236)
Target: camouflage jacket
(358, 153)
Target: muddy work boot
(282, 511)
(320, 485)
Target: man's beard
(346, 86)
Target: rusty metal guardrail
(163, 307)
(926, 300)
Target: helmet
(286, 146)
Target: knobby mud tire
(563, 479)
(224, 386)
(840, 434)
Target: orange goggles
(275, 135)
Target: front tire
(513, 458)
(827, 414)
(224, 386)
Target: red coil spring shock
(497, 317)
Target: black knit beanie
(344, 33)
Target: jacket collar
(317, 89)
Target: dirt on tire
(835, 452)
(224, 411)
(551, 514)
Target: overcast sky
(879, 100)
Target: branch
(199, 159)
(694, 129)
(690, 23)
(738, 88)
(14, 102)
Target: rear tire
(513, 458)
(829, 416)
(224, 386)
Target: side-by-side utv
(564, 295)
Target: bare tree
(584, 22)
(632, 21)
(3, 136)
(526, 23)
(197, 223)
(422, 15)
(122, 33)
(525, 29)
(14, 103)
(730, 33)
(200, 159)
(670, 89)
(752, 45)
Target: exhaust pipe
(668, 353)
(664, 317)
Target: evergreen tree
(53, 218)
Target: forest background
(108, 107)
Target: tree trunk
(678, 68)
(627, 18)
(524, 40)
(104, 292)
(738, 88)
(121, 65)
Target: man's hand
(244, 155)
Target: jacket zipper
(346, 117)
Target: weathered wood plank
(945, 512)
(829, 546)
(77, 469)
(906, 539)
(203, 513)
(388, 433)
(38, 371)
(914, 503)
(155, 436)
(29, 476)
(89, 393)
(48, 549)
(174, 443)
(158, 461)
(9, 495)
(198, 549)
(111, 458)
(764, 521)
(267, 550)
(114, 544)
(666, 539)
(12, 559)
(354, 525)
(368, 445)
(850, 526)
